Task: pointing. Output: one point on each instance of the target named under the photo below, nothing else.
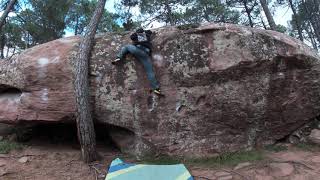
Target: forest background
(32, 22)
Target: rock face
(37, 84)
(227, 88)
(314, 137)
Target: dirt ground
(291, 164)
(41, 160)
(47, 161)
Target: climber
(141, 50)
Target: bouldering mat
(120, 170)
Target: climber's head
(140, 30)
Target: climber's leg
(145, 59)
(123, 52)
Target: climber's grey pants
(142, 54)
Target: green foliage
(226, 159)
(108, 23)
(80, 13)
(209, 11)
(4, 4)
(11, 37)
(167, 11)
(125, 14)
(305, 23)
(35, 22)
(38, 22)
(307, 147)
(45, 20)
(175, 12)
(281, 28)
(7, 146)
(162, 160)
(309, 15)
(250, 11)
(276, 148)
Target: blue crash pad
(120, 170)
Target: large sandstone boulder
(227, 88)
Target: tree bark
(6, 12)
(268, 14)
(76, 27)
(7, 53)
(13, 52)
(248, 11)
(2, 45)
(263, 24)
(311, 17)
(296, 20)
(86, 132)
(311, 37)
(169, 17)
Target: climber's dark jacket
(142, 37)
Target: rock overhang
(39, 74)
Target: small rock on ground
(315, 136)
(260, 177)
(229, 177)
(242, 165)
(3, 172)
(2, 162)
(299, 177)
(23, 160)
(203, 174)
(222, 173)
(316, 159)
(281, 169)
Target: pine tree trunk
(7, 53)
(316, 28)
(268, 14)
(296, 21)
(311, 37)
(76, 27)
(2, 45)
(6, 12)
(248, 11)
(263, 24)
(169, 14)
(312, 17)
(86, 132)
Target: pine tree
(209, 11)
(9, 6)
(6, 12)
(248, 7)
(167, 11)
(125, 14)
(79, 15)
(296, 19)
(43, 21)
(86, 132)
(268, 14)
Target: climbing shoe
(157, 91)
(115, 61)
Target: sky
(282, 14)
(110, 5)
